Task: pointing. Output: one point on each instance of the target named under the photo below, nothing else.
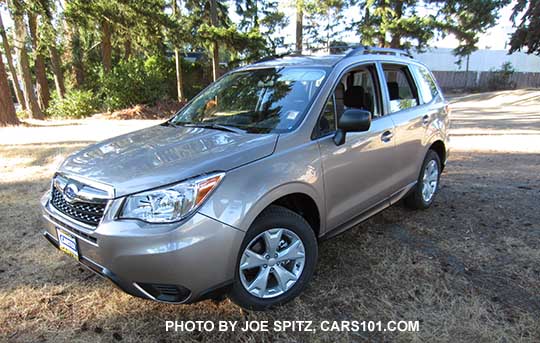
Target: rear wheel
(277, 259)
(428, 183)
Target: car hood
(161, 155)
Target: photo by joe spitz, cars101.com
(232, 194)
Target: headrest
(393, 90)
(354, 97)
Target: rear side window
(402, 91)
(427, 84)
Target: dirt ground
(468, 269)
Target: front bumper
(196, 256)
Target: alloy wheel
(272, 263)
(430, 180)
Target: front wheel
(428, 183)
(276, 261)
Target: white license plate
(68, 244)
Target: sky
(495, 38)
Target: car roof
(326, 60)
(299, 60)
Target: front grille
(71, 229)
(88, 213)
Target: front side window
(327, 122)
(427, 84)
(360, 90)
(355, 90)
(401, 88)
(260, 100)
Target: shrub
(75, 104)
(136, 81)
(500, 79)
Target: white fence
(442, 59)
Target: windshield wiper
(216, 127)
(169, 123)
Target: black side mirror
(352, 120)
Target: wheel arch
(297, 197)
(440, 148)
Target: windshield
(261, 100)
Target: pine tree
(7, 109)
(7, 49)
(42, 85)
(17, 12)
(527, 34)
(407, 24)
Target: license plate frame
(68, 243)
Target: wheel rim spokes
(252, 260)
(430, 180)
(284, 277)
(272, 263)
(272, 238)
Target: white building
(442, 59)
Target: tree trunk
(76, 58)
(215, 61)
(127, 49)
(396, 41)
(396, 36)
(23, 62)
(299, 25)
(106, 47)
(178, 61)
(8, 116)
(56, 66)
(42, 84)
(73, 52)
(12, 70)
(215, 46)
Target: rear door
(410, 120)
(358, 174)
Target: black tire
(415, 200)
(276, 217)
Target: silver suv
(232, 194)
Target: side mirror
(352, 120)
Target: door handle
(387, 136)
(425, 119)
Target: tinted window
(262, 100)
(427, 84)
(357, 90)
(362, 81)
(401, 88)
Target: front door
(358, 174)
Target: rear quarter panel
(438, 128)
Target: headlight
(171, 203)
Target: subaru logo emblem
(70, 192)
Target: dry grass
(468, 269)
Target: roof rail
(376, 50)
(272, 57)
(354, 50)
(332, 49)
